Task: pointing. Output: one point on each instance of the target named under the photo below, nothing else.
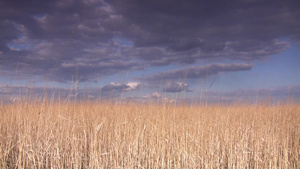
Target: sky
(140, 50)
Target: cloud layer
(63, 39)
(11, 94)
(195, 72)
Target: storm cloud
(63, 39)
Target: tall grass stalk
(106, 135)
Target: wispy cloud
(10, 94)
(195, 72)
(265, 95)
(155, 96)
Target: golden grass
(106, 135)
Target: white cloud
(157, 96)
(176, 87)
(133, 85)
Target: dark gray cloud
(60, 39)
(175, 87)
(63, 39)
(195, 72)
(62, 62)
(177, 25)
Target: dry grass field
(107, 135)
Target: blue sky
(151, 50)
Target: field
(108, 135)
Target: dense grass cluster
(107, 135)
